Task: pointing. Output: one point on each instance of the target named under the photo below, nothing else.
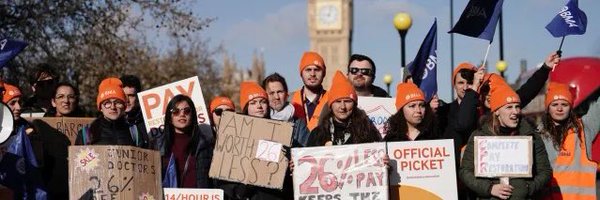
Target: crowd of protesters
(485, 106)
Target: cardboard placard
(153, 102)
(379, 110)
(114, 172)
(235, 155)
(66, 125)
(340, 172)
(417, 168)
(193, 194)
(503, 156)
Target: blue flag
(21, 147)
(479, 19)
(569, 21)
(170, 178)
(424, 67)
(9, 49)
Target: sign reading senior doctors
(378, 109)
(503, 156)
(417, 168)
(340, 172)
(154, 101)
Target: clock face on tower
(328, 15)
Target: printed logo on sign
(87, 160)
(146, 196)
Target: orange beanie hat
(311, 58)
(558, 91)
(463, 65)
(502, 95)
(110, 88)
(495, 81)
(250, 90)
(341, 88)
(408, 92)
(218, 101)
(10, 92)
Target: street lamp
(387, 79)
(501, 67)
(402, 22)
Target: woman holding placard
(506, 121)
(345, 124)
(568, 140)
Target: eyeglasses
(219, 111)
(363, 71)
(177, 111)
(117, 104)
(68, 97)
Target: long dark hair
(169, 129)
(558, 134)
(397, 127)
(360, 128)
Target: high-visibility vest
(574, 174)
(300, 109)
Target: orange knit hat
(110, 88)
(311, 58)
(341, 88)
(408, 92)
(250, 90)
(218, 101)
(495, 81)
(558, 91)
(463, 65)
(502, 95)
(10, 92)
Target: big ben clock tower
(330, 32)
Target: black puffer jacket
(107, 132)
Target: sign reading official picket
(114, 172)
(418, 167)
(340, 172)
(379, 110)
(503, 156)
(249, 150)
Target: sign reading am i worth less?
(353, 172)
(379, 110)
(154, 101)
(503, 156)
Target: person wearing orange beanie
(253, 100)
(112, 127)
(12, 98)
(505, 120)
(309, 100)
(217, 106)
(345, 123)
(568, 140)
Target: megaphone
(6, 122)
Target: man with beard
(309, 100)
(361, 73)
(43, 82)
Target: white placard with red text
(420, 168)
(154, 101)
(378, 109)
(193, 193)
(340, 172)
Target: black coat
(111, 132)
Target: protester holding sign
(65, 102)
(191, 147)
(111, 128)
(217, 106)
(345, 124)
(506, 121)
(568, 141)
(414, 119)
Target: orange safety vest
(574, 174)
(298, 102)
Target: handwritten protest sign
(193, 194)
(153, 102)
(238, 156)
(66, 125)
(340, 172)
(417, 168)
(378, 109)
(114, 172)
(503, 156)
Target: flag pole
(559, 52)
(486, 54)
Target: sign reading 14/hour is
(503, 156)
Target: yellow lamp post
(387, 79)
(501, 67)
(402, 22)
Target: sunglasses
(219, 111)
(177, 111)
(363, 71)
